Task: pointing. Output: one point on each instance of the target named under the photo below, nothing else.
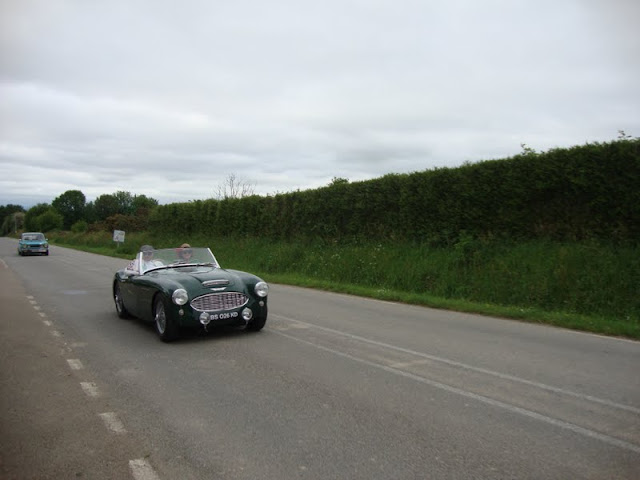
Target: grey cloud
(290, 94)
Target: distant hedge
(590, 191)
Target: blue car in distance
(33, 243)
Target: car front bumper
(28, 250)
(189, 317)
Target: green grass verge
(581, 286)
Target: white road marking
(30, 297)
(112, 422)
(42, 314)
(410, 364)
(90, 388)
(55, 333)
(47, 323)
(141, 470)
(75, 364)
(481, 398)
(465, 366)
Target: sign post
(118, 236)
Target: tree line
(71, 211)
(118, 211)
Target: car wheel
(257, 324)
(117, 298)
(165, 326)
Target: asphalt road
(334, 387)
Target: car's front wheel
(165, 326)
(117, 298)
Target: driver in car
(148, 261)
(185, 253)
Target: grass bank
(588, 286)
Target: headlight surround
(261, 289)
(180, 296)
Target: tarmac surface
(49, 427)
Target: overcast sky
(168, 98)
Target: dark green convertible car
(179, 288)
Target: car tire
(117, 298)
(165, 326)
(256, 324)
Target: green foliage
(581, 193)
(128, 223)
(338, 181)
(10, 209)
(49, 220)
(142, 202)
(105, 206)
(121, 203)
(31, 222)
(71, 206)
(586, 278)
(43, 218)
(12, 222)
(80, 226)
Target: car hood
(206, 280)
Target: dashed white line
(142, 470)
(90, 388)
(112, 422)
(75, 364)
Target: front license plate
(223, 316)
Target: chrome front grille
(215, 302)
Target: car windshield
(176, 258)
(32, 236)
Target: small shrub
(80, 227)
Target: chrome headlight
(262, 289)
(180, 296)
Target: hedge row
(590, 191)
